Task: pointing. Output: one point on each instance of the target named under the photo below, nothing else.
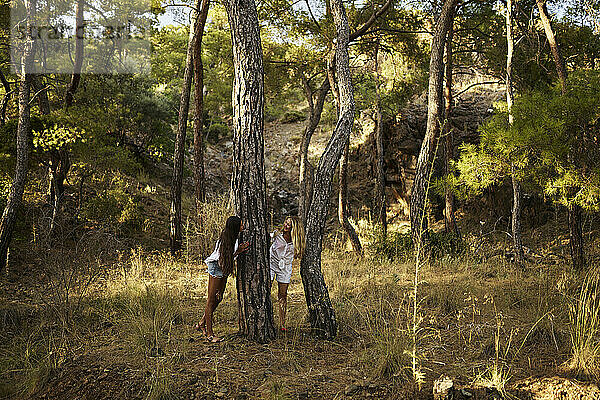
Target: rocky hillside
(403, 136)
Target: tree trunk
(575, 231)
(320, 310)
(7, 92)
(199, 190)
(420, 190)
(178, 155)
(343, 202)
(7, 222)
(558, 60)
(306, 174)
(449, 218)
(79, 33)
(576, 237)
(249, 182)
(343, 167)
(516, 184)
(380, 202)
(59, 163)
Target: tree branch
(363, 29)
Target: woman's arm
(243, 247)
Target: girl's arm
(243, 247)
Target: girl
(220, 266)
(287, 244)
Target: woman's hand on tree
(243, 247)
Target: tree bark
(175, 235)
(199, 190)
(79, 33)
(516, 184)
(449, 217)
(59, 163)
(249, 183)
(574, 211)
(7, 222)
(576, 237)
(418, 197)
(343, 167)
(343, 202)
(558, 60)
(7, 92)
(380, 201)
(306, 174)
(320, 311)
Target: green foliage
(218, 132)
(446, 244)
(55, 133)
(394, 246)
(217, 55)
(293, 116)
(550, 147)
(5, 183)
(116, 207)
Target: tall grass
(584, 313)
(497, 375)
(202, 231)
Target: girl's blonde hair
(298, 237)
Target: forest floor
(104, 315)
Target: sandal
(214, 339)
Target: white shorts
(282, 275)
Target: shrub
(394, 246)
(117, 207)
(443, 244)
(217, 132)
(293, 116)
(5, 183)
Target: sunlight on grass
(584, 314)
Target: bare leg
(282, 303)
(216, 287)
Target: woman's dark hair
(227, 244)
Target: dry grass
(585, 328)
(138, 318)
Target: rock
(351, 389)
(442, 387)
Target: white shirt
(282, 253)
(214, 257)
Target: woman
(220, 266)
(287, 245)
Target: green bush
(272, 113)
(218, 132)
(443, 244)
(395, 246)
(116, 207)
(293, 116)
(399, 246)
